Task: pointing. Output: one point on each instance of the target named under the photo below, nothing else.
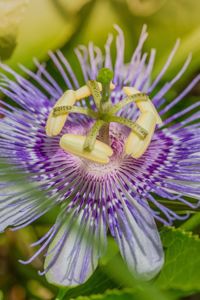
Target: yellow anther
(54, 123)
(74, 144)
(135, 146)
(149, 117)
(84, 91)
(143, 106)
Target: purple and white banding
(120, 197)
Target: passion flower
(107, 167)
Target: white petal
(140, 245)
(12, 214)
(11, 220)
(78, 257)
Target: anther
(74, 144)
(55, 123)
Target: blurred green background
(28, 29)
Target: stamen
(75, 144)
(92, 135)
(87, 146)
(148, 119)
(145, 105)
(133, 98)
(55, 124)
(65, 109)
(134, 145)
(135, 126)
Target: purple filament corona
(123, 197)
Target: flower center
(95, 146)
(117, 137)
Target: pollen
(143, 105)
(74, 144)
(55, 123)
(135, 146)
(149, 117)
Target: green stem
(92, 135)
(139, 130)
(192, 222)
(61, 110)
(133, 98)
(61, 293)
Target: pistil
(105, 77)
(95, 145)
(100, 129)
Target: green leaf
(110, 295)
(11, 13)
(192, 223)
(112, 274)
(96, 284)
(120, 294)
(182, 261)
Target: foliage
(182, 266)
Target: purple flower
(123, 196)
